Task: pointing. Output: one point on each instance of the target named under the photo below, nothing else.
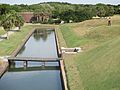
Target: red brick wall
(27, 17)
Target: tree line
(65, 11)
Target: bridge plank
(33, 59)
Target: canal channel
(35, 75)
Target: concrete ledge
(3, 67)
(58, 44)
(61, 62)
(71, 50)
(62, 68)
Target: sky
(114, 2)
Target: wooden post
(43, 64)
(12, 64)
(25, 64)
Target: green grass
(71, 38)
(8, 46)
(97, 67)
(95, 32)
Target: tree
(11, 19)
(7, 23)
(18, 20)
(4, 8)
(100, 10)
(117, 9)
(109, 10)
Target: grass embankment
(8, 46)
(97, 67)
(90, 32)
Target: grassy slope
(71, 68)
(97, 68)
(91, 32)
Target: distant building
(27, 16)
(35, 17)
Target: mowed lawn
(98, 66)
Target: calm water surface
(35, 76)
(40, 44)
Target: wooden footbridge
(37, 59)
(40, 68)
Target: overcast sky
(116, 2)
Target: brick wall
(27, 16)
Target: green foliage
(4, 8)
(11, 19)
(76, 16)
(7, 22)
(52, 21)
(17, 19)
(109, 11)
(56, 10)
(100, 10)
(104, 10)
(117, 9)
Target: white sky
(116, 2)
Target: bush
(57, 21)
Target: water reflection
(41, 34)
(18, 66)
(22, 50)
(35, 76)
(31, 80)
(41, 44)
